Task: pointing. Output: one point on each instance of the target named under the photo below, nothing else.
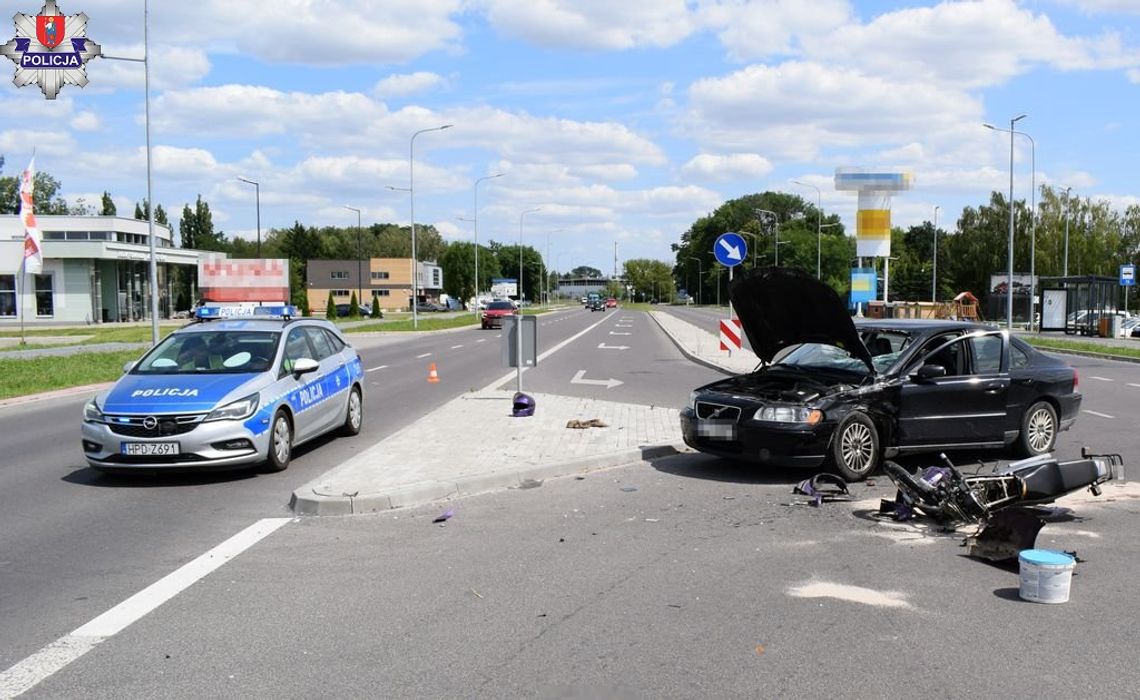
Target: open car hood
(779, 307)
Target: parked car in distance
(344, 310)
(495, 312)
(844, 394)
(427, 307)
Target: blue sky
(622, 121)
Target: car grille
(132, 426)
(148, 459)
(718, 411)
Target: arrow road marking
(612, 333)
(420, 357)
(603, 346)
(1102, 379)
(732, 252)
(1096, 413)
(375, 369)
(610, 383)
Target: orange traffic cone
(433, 376)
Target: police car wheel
(355, 413)
(280, 443)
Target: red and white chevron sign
(730, 334)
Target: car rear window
(499, 305)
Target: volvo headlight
(236, 410)
(693, 400)
(789, 414)
(92, 412)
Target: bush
(376, 308)
(353, 307)
(330, 308)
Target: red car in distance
(495, 311)
(611, 303)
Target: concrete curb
(689, 354)
(57, 394)
(307, 500)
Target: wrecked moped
(1001, 501)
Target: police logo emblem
(61, 54)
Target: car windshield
(817, 356)
(211, 352)
(501, 305)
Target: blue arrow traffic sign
(730, 249)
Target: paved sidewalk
(472, 444)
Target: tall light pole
(412, 196)
(359, 279)
(776, 219)
(1009, 269)
(934, 280)
(1032, 214)
(475, 225)
(257, 200)
(521, 215)
(700, 277)
(149, 189)
(818, 228)
(1065, 270)
(546, 262)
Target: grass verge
(1082, 346)
(23, 377)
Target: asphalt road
(384, 605)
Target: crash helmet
(523, 405)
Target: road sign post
(729, 250)
(1127, 279)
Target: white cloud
(407, 84)
(86, 121)
(171, 67)
(594, 24)
(1124, 7)
(50, 146)
(735, 166)
(752, 29)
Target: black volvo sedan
(845, 393)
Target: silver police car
(228, 391)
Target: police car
(239, 386)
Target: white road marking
(54, 657)
(420, 357)
(610, 383)
(603, 346)
(1097, 413)
(375, 369)
(543, 356)
(481, 340)
(1135, 385)
(613, 333)
(456, 347)
(618, 325)
(1102, 379)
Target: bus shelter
(1075, 304)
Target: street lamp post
(257, 200)
(934, 280)
(700, 277)
(475, 225)
(818, 228)
(546, 262)
(1032, 213)
(359, 278)
(149, 189)
(412, 197)
(1065, 270)
(776, 219)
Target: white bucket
(1045, 575)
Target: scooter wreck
(1005, 503)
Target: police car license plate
(150, 449)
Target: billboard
(221, 279)
(504, 287)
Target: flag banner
(33, 241)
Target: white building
(96, 269)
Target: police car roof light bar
(280, 311)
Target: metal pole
(359, 252)
(934, 281)
(818, 228)
(149, 189)
(1065, 271)
(518, 311)
(257, 200)
(412, 196)
(475, 224)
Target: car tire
(855, 447)
(1038, 430)
(280, 443)
(354, 415)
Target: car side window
(296, 347)
(320, 343)
(937, 352)
(334, 342)
(1018, 358)
(987, 354)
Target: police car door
(334, 383)
(305, 391)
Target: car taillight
(1076, 379)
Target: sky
(621, 123)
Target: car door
(966, 406)
(333, 384)
(303, 391)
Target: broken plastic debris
(530, 483)
(628, 489)
(444, 516)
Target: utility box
(529, 341)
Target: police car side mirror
(305, 365)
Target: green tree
(330, 308)
(108, 205)
(651, 279)
(585, 271)
(458, 263)
(376, 313)
(354, 307)
(47, 195)
(532, 268)
(197, 227)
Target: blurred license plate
(152, 449)
(717, 429)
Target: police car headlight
(236, 410)
(92, 413)
(789, 414)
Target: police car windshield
(211, 352)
